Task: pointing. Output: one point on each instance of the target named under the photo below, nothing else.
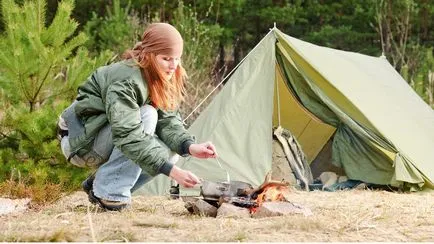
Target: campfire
(271, 198)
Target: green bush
(30, 153)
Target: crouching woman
(125, 121)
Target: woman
(111, 124)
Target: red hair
(164, 94)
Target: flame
(271, 193)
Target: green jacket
(114, 94)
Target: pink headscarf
(161, 38)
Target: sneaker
(107, 204)
(87, 186)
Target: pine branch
(25, 91)
(8, 137)
(61, 92)
(40, 7)
(25, 136)
(62, 26)
(42, 83)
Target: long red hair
(164, 94)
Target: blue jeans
(117, 176)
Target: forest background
(49, 47)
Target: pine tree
(40, 69)
(32, 54)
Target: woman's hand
(183, 177)
(203, 150)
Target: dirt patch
(347, 216)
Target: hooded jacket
(114, 94)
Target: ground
(347, 216)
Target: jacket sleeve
(172, 132)
(123, 113)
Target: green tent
(379, 130)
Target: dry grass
(41, 194)
(348, 216)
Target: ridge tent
(379, 130)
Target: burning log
(272, 193)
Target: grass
(41, 194)
(347, 216)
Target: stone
(189, 206)
(270, 209)
(201, 207)
(227, 210)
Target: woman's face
(167, 64)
